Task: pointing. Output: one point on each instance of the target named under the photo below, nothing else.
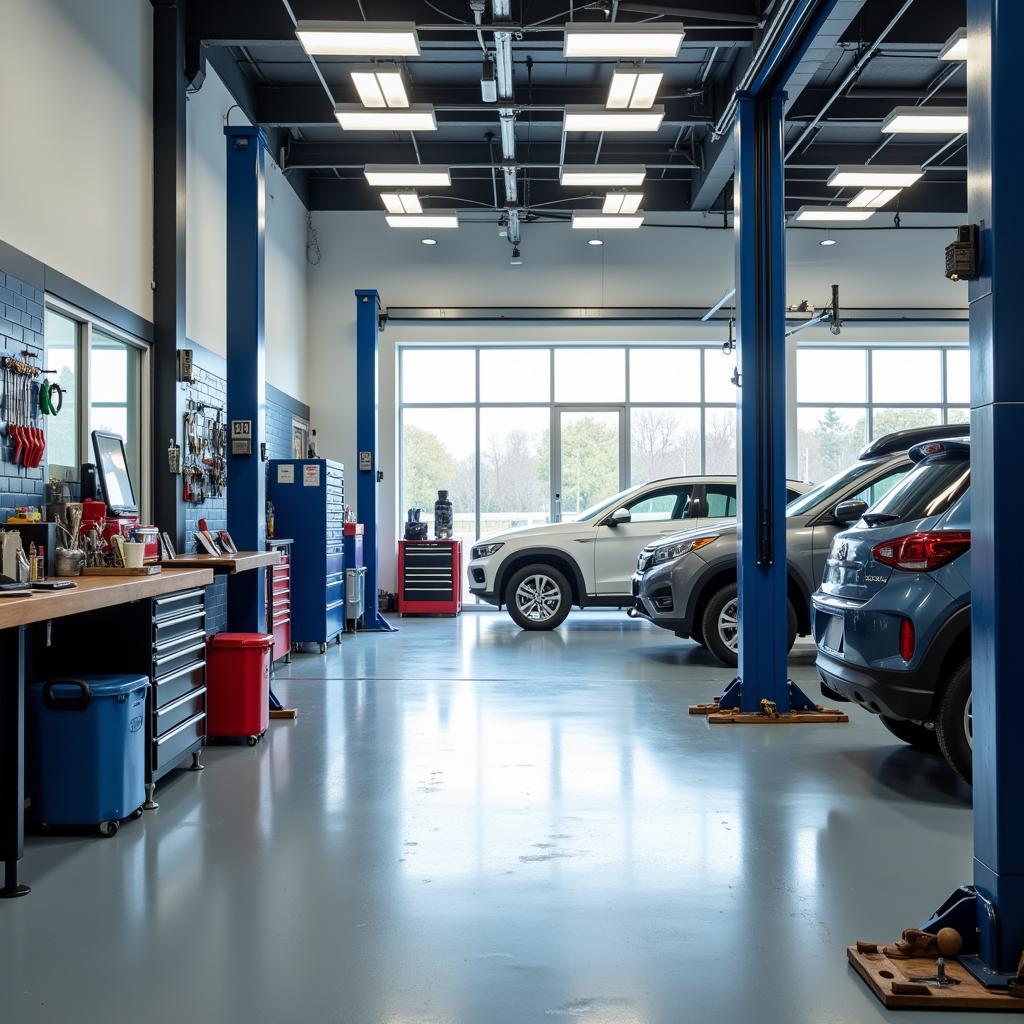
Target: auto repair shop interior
(488, 530)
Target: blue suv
(892, 617)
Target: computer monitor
(112, 468)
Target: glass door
(589, 458)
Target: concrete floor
(469, 824)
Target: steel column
(997, 493)
(247, 377)
(761, 403)
(367, 475)
(169, 144)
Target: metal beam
(169, 146)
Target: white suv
(539, 572)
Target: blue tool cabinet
(309, 506)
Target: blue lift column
(995, 202)
(246, 493)
(368, 475)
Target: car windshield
(929, 489)
(832, 485)
(605, 506)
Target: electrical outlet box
(962, 255)
(186, 372)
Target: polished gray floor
(473, 825)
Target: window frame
(86, 325)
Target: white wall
(206, 233)
(653, 267)
(76, 169)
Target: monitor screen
(112, 466)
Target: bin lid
(241, 640)
(99, 686)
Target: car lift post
(368, 316)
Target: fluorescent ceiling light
(595, 39)
(356, 118)
(609, 174)
(381, 86)
(597, 119)
(434, 219)
(401, 202)
(878, 176)
(595, 241)
(409, 175)
(634, 88)
(359, 38)
(827, 213)
(622, 202)
(926, 121)
(428, 241)
(955, 47)
(873, 197)
(583, 220)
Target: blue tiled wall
(21, 327)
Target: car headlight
(682, 547)
(486, 550)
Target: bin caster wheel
(108, 828)
(323, 648)
(252, 740)
(136, 814)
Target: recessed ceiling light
(434, 219)
(643, 39)
(926, 121)
(827, 213)
(827, 241)
(359, 38)
(594, 118)
(428, 241)
(383, 175)
(634, 88)
(401, 202)
(622, 202)
(584, 220)
(955, 47)
(877, 175)
(381, 86)
(354, 117)
(608, 174)
(595, 241)
(874, 197)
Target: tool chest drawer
(172, 685)
(177, 711)
(172, 746)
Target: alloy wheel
(729, 624)
(538, 598)
(969, 722)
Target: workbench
(240, 561)
(128, 605)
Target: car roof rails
(903, 440)
(950, 449)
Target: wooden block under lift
(892, 981)
(716, 716)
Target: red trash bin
(238, 685)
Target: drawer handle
(174, 598)
(282, 622)
(336, 604)
(183, 639)
(180, 654)
(187, 670)
(180, 728)
(282, 604)
(164, 623)
(181, 701)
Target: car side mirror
(847, 512)
(619, 517)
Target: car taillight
(922, 552)
(907, 640)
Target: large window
(102, 374)
(521, 435)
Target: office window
(62, 431)
(114, 400)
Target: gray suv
(687, 582)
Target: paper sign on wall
(285, 474)
(311, 476)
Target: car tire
(919, 736)
(953, 722)
(538, 597)
(697, 635)
(720, 625)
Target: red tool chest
(429, 577)
(279, 603)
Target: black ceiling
(253, 46)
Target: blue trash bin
(86, 750)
